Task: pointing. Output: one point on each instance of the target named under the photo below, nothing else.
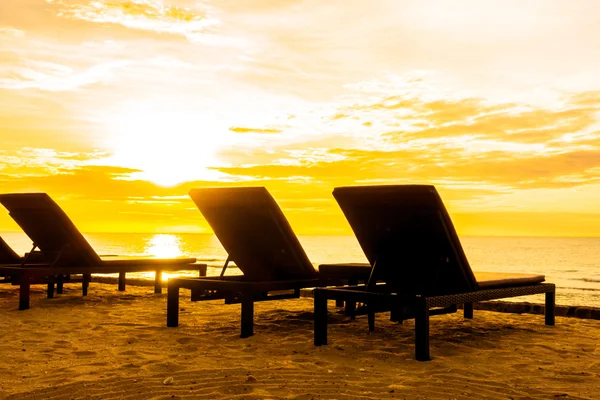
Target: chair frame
(263, 278)
(422, 306)
(233, 289)
(47, 267)
(25, 276)
(398, 295)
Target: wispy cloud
(417, 137)
(30, 162)
(8, 32)
(238, 129)
(56, 77)
(148, 15)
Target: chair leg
(50, 290)
(351, 305)
(196, 294)
(549, 309)
(350, 309)
(24, 291)
(60, 283)
(172, 305)
(85, 283)
(468, 310)
(158, 281)
(122, 281)
(320, 315)
(247, 328)
(422, 330)
(396, 315)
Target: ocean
(573, 264)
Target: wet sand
(115, 345)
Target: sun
(167, 144)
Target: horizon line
(315, 234)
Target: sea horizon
(304, 234)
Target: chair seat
(489, 280)
(485, 280)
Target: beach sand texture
(114, 345)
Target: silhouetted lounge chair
(9, 260)
(408, 238)
(67, 252)
(7, 254)
(7, 257)
(258, 238)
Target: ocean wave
(578, 288)
(210, 259)
(587, 280)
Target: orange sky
(118, 108)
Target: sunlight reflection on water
(164, 246)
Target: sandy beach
(115, 345)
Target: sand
(115, 345)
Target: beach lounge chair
(9, 260)
(7, 254)
(258, 238)
(10, 257)
(408, 238)
(66, 252)
(7, 257)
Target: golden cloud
(148, 15)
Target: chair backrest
(254, 232)
(50, 228)
(7, 254)
(407, 232)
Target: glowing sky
(117, 108)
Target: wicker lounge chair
(66, 252)
(258, 238)
(408, 238)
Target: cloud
(415, 137)
(11, 33)
(97, 197)
(499, 169)
(54, 77)
(27, 163)
(237, 129)
(148, 15)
